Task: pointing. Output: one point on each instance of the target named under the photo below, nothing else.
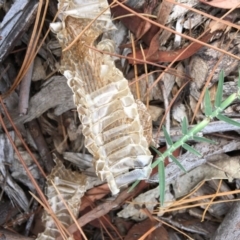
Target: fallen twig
(24, 91)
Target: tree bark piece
(229, 228)
(15, 23)
(213, 127)
(55, 93)
(11, 188)
(190, 161)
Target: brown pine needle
(135, 68)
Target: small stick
(166, 106)
(40, 142)
(24, 91)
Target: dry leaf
(226, 4)
(141, 228)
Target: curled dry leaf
(106, 107)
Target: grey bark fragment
(8, 184)
(212, 127)
(190, 161)
(15, 22)
(229, 228)
(54, 94)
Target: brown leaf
(94, 194)
(169, 56)
(104, 208)
(162, 17)
(164, 11)
(131, 22)
(147, 30)
(142, 29)
(77, 236)
(139, 229)
(226, 4)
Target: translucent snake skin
(72, 186)
(112, 119)
(117, 128)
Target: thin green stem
(192, 132)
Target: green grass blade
(203, 139)
(184, 126)
(167, 136)
(161, 176)
(178, 163)
(133, 185)
(207, 104)
(191, 149)
(156, 151)
(239, 80)
(228, 101)
(228, 120)
(218, 98)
